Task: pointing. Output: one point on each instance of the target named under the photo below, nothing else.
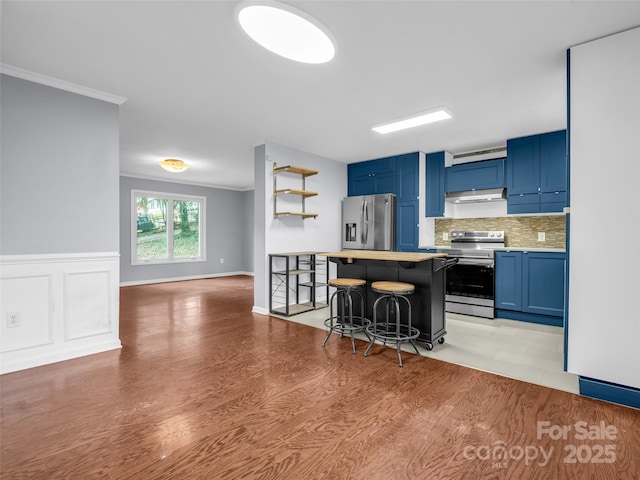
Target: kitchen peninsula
(424, 270)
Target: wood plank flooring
(204, 389)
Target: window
(167, 228)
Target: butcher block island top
(383, 255)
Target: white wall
(293, 234)
(604, 291)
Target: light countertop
(512, 249)
(383, 255)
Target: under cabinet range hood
(476, 196)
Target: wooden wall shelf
(301, 192)
(305, 172)
(297, 214)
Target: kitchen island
(424, 270)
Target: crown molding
(60, 84)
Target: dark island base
(427, 302)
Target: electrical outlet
(13, 319)
(222, 260)
(542, 237)
(445, 236)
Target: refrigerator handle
(365, 222)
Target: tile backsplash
(519, 231)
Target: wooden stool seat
(398, 288)
(392, 329)
(346, 282)
(345, 322)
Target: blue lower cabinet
(508, 275)
(530, 286)
(543, 283)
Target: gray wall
(247, 239)
(58, 171)
(229, 222)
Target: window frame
(171, 199)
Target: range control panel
(478, 236)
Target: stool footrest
(389, 332)
(337, 324)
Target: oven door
(470, 287)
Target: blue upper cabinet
(553, 162)
(435, 184)
(523, 165)
(475, 176)
(399, 175)
(371, 177)
(536, 171)
(407, 177)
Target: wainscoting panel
(86, 300)
(25, 323)
(57, 307)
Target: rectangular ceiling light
(415, 120)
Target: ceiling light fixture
(414, 120)
(173, 165)
(285, 31)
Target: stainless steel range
(470, 284)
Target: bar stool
(345, 322)
(392, 331)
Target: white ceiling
(199, 89)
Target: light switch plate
(445, 236)
(542, 237)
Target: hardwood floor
(204, 389)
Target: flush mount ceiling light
(414, 120)
(285, 31)
(173, 165)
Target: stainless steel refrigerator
(369, 222)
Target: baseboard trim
(260, 310)
(529, 317)
(55, 357)
(609, 392)
(182, 279)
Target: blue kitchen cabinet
(407, 208)
(536, 173)
(398, 175)
(407, 177)
(530, 286)
(508, 278)
(543, 283)
(475, 176)
(435, 173)
(523, 165)
(407, 226)
(371, 177)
